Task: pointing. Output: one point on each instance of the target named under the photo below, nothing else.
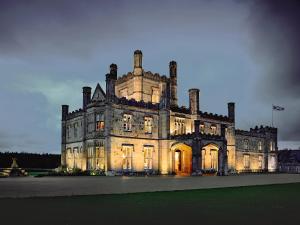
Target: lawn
(270, 204)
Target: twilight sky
(233, 50)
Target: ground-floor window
(148, 151)
(214, 159)
(127, 157)
(260, 161)
(100, 160)
(246, 161)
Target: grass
(270, 204)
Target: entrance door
(178, 162)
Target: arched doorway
(210, 157)
(181, 159)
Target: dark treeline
(30, 160)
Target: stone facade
(137, 126)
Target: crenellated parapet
(212, 116)
(75, 114)
(133, 102)
(257, 131)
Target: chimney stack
(86, 97)
(194, 101)
(137, 63)
(231, 113)
(111, 79)
(64, 112)
(173, 78)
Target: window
(179, 126)
(99, 122)
(202, 127)
(259, 146)
(127, 157)
(75, 130)
(100, 157)
(214, 159)
(148, 157)
(246, 144)
(272, 146)
(155, 95)
(148, 122)
(213, 129)
(127, 122)
(68, 132)
(246, 161)
(260, 158)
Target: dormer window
(148, 124)
(127, 122)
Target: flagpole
(272, 114)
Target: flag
(277, 108)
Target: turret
(231, 113)
(137, 63)
(111, 79)
(86, 97)
(194, 101)
(173, 78)
(64, 112)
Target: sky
(232, 50)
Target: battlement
(133, 102)
(75, 114)
(257, 131)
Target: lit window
(179, 126)
(127, 156)
(127, 122)
(246, 161)
(148, 123)
(99, 122)
(259, 146)
(246, 144)
(100, 157)
(213, 129)
(148, 157)
(260, 162)
(272, 145)
(155, 95)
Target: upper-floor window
(259, 145)
(272, 146)
(75, 129)
(148, 124)
(155, 95)
(213, 129)
(246, 144)
(68, 132)
(99, 122)
(127, 122)
(202, 127)
(179, 126)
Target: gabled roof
(99, 94)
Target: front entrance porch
(181, 159)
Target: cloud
(275, 31)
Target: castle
(136, 125)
